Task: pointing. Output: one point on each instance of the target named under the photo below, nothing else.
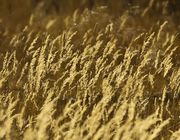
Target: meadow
(89, 70)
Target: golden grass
(90, 75)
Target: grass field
(89, 70)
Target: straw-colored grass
(89, 74)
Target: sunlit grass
(89, 74)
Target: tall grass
(90, 75)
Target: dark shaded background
(17, 13)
